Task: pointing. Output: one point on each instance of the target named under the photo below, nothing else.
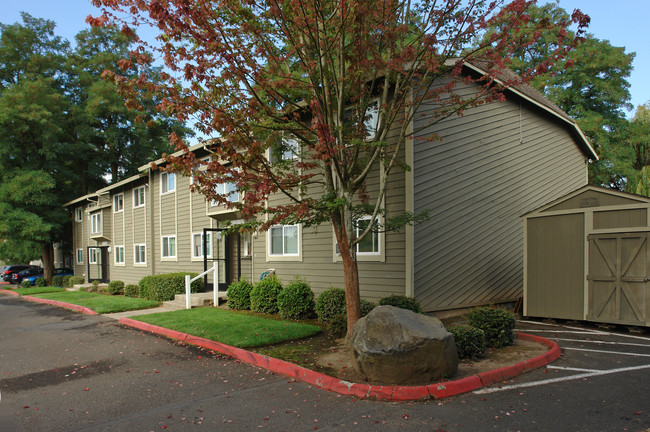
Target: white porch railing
(215, 284)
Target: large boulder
(397, 346)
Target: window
(96, 223)
(371, 120)
(247, 244)
(370, 243)
(283, 240)
(287, 149)
(227, 189)
(138, 197)
(139, 254)
(168, 244)
(78, 214)
(118, 203)
(80, 256)
(167, 182)
(93, 254)
(119, 254)
(197, 245)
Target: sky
(622, 23)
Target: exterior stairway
(196, 299)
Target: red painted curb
(363, 391)
(74, 307)
(10, 292)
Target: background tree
(308, 98)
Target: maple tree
(308, 98)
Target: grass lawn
(38, 290)
(100, 303)
(232, 328)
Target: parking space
(588, 353)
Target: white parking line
(579, 329)
(602, 342)
(573, 369)
(607, 352)
(561, 379)
(561, 331)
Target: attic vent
(589, 202)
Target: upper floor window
(138, 197)
(229, 190)
(118, 203)
(78, 214)
(167, 182)
(370, 121)
(284, 240)
(287, 149)
(96, 223)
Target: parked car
(31, 272)
(9, 271)
(61, 271)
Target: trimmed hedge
(402, 302)
(25, 284)
(131, 290)
(40, 282)
(330, 304)
(57, 281)
(239, 294)
(296, 300)
(75, 280)
(470, 341)
(264, 295)
(116, 287)
(66, 281)
(164, 287)
(496, 323)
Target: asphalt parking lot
(63, 371)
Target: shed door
(618, 276)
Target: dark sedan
(10, 270)
(17, 278)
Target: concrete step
(196, 299)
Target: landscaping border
(365, 391)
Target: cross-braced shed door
(618, 274)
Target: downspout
(151, 223)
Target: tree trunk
(352, 297)
(47, 256)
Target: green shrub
(330, 304)
(239, 294)
(116, 287)
(264, 295)
(66, 281)
(296, 300)
(366, 307)
(402, 302)
(57, 281)
(40, 282)
(470, 341)
(75, 280)
(25, 284)
(131, 290)
(496, 323)
(337, 326)
(164, 287)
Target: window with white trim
(119, 254)
(167, 182)
(247, 244)
(78, 214)
(138, 197)
(93, 255)
(168, 247)
(370, 121)
(80, 256)
(370, 244)
(197, 245)
(229, 190)
(139, 254)
(96, 223)
(118, 203)
(287, 149)
(284, 240)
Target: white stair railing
(188, 283)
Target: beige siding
(490, 166)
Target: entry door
(618, 277)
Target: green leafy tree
(309, 98)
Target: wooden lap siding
(477, 180)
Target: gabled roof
(533, 96)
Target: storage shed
(586, 257)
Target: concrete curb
(10, 292)
(365, 391)
(75, 307)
